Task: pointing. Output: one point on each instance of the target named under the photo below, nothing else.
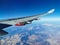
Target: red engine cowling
(19, 24)
(22, 23)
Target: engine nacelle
(23, 23)
(20, 24)
(28, 22)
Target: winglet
(51, 11)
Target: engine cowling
(19, 24)
(28, 22)
(23, 23)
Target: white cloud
(30, 28)
(11, 40)
(33, 37)
(46, 24)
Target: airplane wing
(20, 21)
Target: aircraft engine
(20, 24)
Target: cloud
(33, 37)
(47, 24)
(11, 40)
(30, 28)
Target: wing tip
(51, 11)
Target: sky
(23, 8)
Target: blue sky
(22, 8)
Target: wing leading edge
(25, 19)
